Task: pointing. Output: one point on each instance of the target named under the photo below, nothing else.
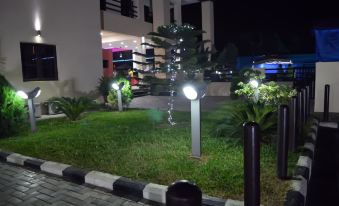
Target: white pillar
(177, 12)
(161, 13)
(208, 22)
(140, 4)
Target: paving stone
(22, 187)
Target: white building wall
(327, 73)
(125, 25)
(73, 26)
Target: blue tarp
(327, 45)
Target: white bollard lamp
(118, 87)
(30, 96)
(195, 92)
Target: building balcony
(126, 17)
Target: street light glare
(190, 92)
(22, 94)
(115, 86)
(254, 83)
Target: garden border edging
(297, 196)
(135, 190)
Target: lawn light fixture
(119, 87)
(195, 92)
(30, 96)
(254, 83)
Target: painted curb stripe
(17, 159)
(302, 171)
(53, 167)
(312, 136)
(209, 202)
(4, 155)
(305, 162)
(309, 146)
(294, 198)
(101, 179)
(307, 153)
(33, 163)
(133, 190)
(155, 192)
(74, 174)
(300, 185)
(125, 186)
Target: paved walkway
(180, 103)
(19, 186)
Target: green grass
(141, 145)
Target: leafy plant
(126, 93)
(244, 75)
(264, 115)
(269, 93)
(261, 104)
(72, 107)
(12, 109)
(104, 86)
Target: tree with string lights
(183, 53)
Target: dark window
(39, 62)
(105, 63)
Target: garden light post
(293, 142)
(304, 107)
(119, 87)
(195, 92)
(326, 102)
(30, 96)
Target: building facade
(60, 45)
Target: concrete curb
(137, 191)
(302, 174)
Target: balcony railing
(123, 7)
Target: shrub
(104, 86)
(269, 93)
(264, 115)
(260, 106)
(12, 109)
(126, 93)
(244, 75)
(72, 107)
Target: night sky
(267, 27)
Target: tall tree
(183, 52)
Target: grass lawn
(141, 145)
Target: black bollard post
(312, 90)
(283, 131)
(252, 164)
(300, 112)
(183, 193)
(326, 102)
(293, 142)
(304, 105)
(308, 100)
